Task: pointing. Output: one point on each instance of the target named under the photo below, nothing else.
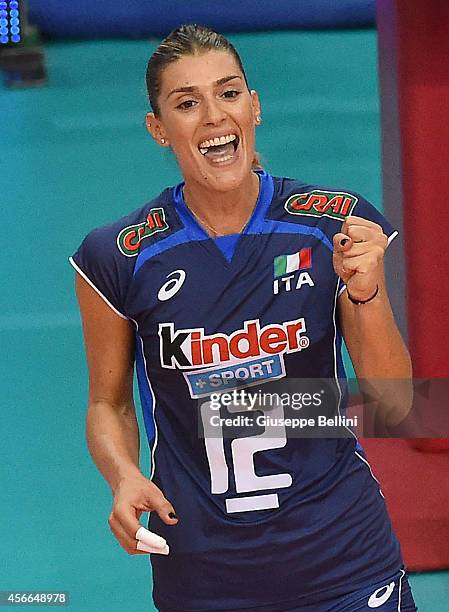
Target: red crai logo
(130, 238)
(192, 348)
(317, 203)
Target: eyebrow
(193, 88)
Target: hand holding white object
(133, 496)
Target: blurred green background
(75, 155)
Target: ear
(256, 106)
(155, 127)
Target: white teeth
(215, 142)
(203, 151)
(222, 159)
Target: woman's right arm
(111, 424)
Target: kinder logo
(203, 382)
(337, 205)
(130, 238)
(192, 348)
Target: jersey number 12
(243, 451)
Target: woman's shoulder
(301, 201)
(107, 256)
(127, 232)
(317, 197)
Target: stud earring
(163, 140)
(258, 119)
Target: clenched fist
(358, 256)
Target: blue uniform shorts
(391, 594)
(388, 595)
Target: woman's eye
(186, 104)
(231, 93)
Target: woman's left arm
(378, 353)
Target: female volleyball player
(227, 282)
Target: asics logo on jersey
(322, 203)
(192, 348)
(130, 238)
(172, 286)
(378, 598)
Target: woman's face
(202, 98)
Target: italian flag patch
(284, 264)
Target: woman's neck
(222, 213)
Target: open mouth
(219, 150)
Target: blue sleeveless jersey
(266, 522)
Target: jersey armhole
(103, 297)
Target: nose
(213, 112)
